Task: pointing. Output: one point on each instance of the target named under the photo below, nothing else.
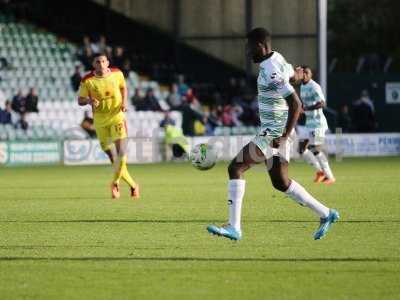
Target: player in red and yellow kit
(105, 90)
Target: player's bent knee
(302, 148)
(105, 147)
(280, 185)
(235, 169)
(314, 150)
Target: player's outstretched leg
(247, 157)
(310, 158)
(278, 172)
(121, 170)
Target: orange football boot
(329, 181)
(319, 177)
(135, 192)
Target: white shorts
(316, 136)
(302, 132)
(264, 143)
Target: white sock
(323, 161)
(310, 158)
(301, 196)
(236, 188)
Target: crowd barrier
(152, 150)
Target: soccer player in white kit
(279, 108)
(310, 146)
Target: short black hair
(99, 54)
(259, 35)
(306, 67)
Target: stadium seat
(39, 60)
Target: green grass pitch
(62, 237)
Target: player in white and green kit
(310, 145)
(279, 108)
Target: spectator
(344, 119)
(86, 44)
(4, 64)
(109, 53)
(137, 99)
(18, 103)
(76, 78)
(101, 46)
(167, 120)
(149, 103)
(87, 58)
(126, 68)
(364, 97)
(190, 96)
(236, 112)
(22, 123)
(182, 86)
(32, 101)
(363, 116)
(212, 120)
(119, 57)
(174, 99)
(6, 116)
(175, 139)
(189, 116)
(87, 125)
(227, 116)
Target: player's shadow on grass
(205, 259)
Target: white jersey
(311, 93)
(273, 86)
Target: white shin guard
(236, 189)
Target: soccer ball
(203, 156)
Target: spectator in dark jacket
(137, 99)
(32, 101)
(86, 58)
(344, 119)
(118, 57)
(149, 103)
(76, 78)
(18, 103)
(363, 116)
(190, 114)
(6, 114)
